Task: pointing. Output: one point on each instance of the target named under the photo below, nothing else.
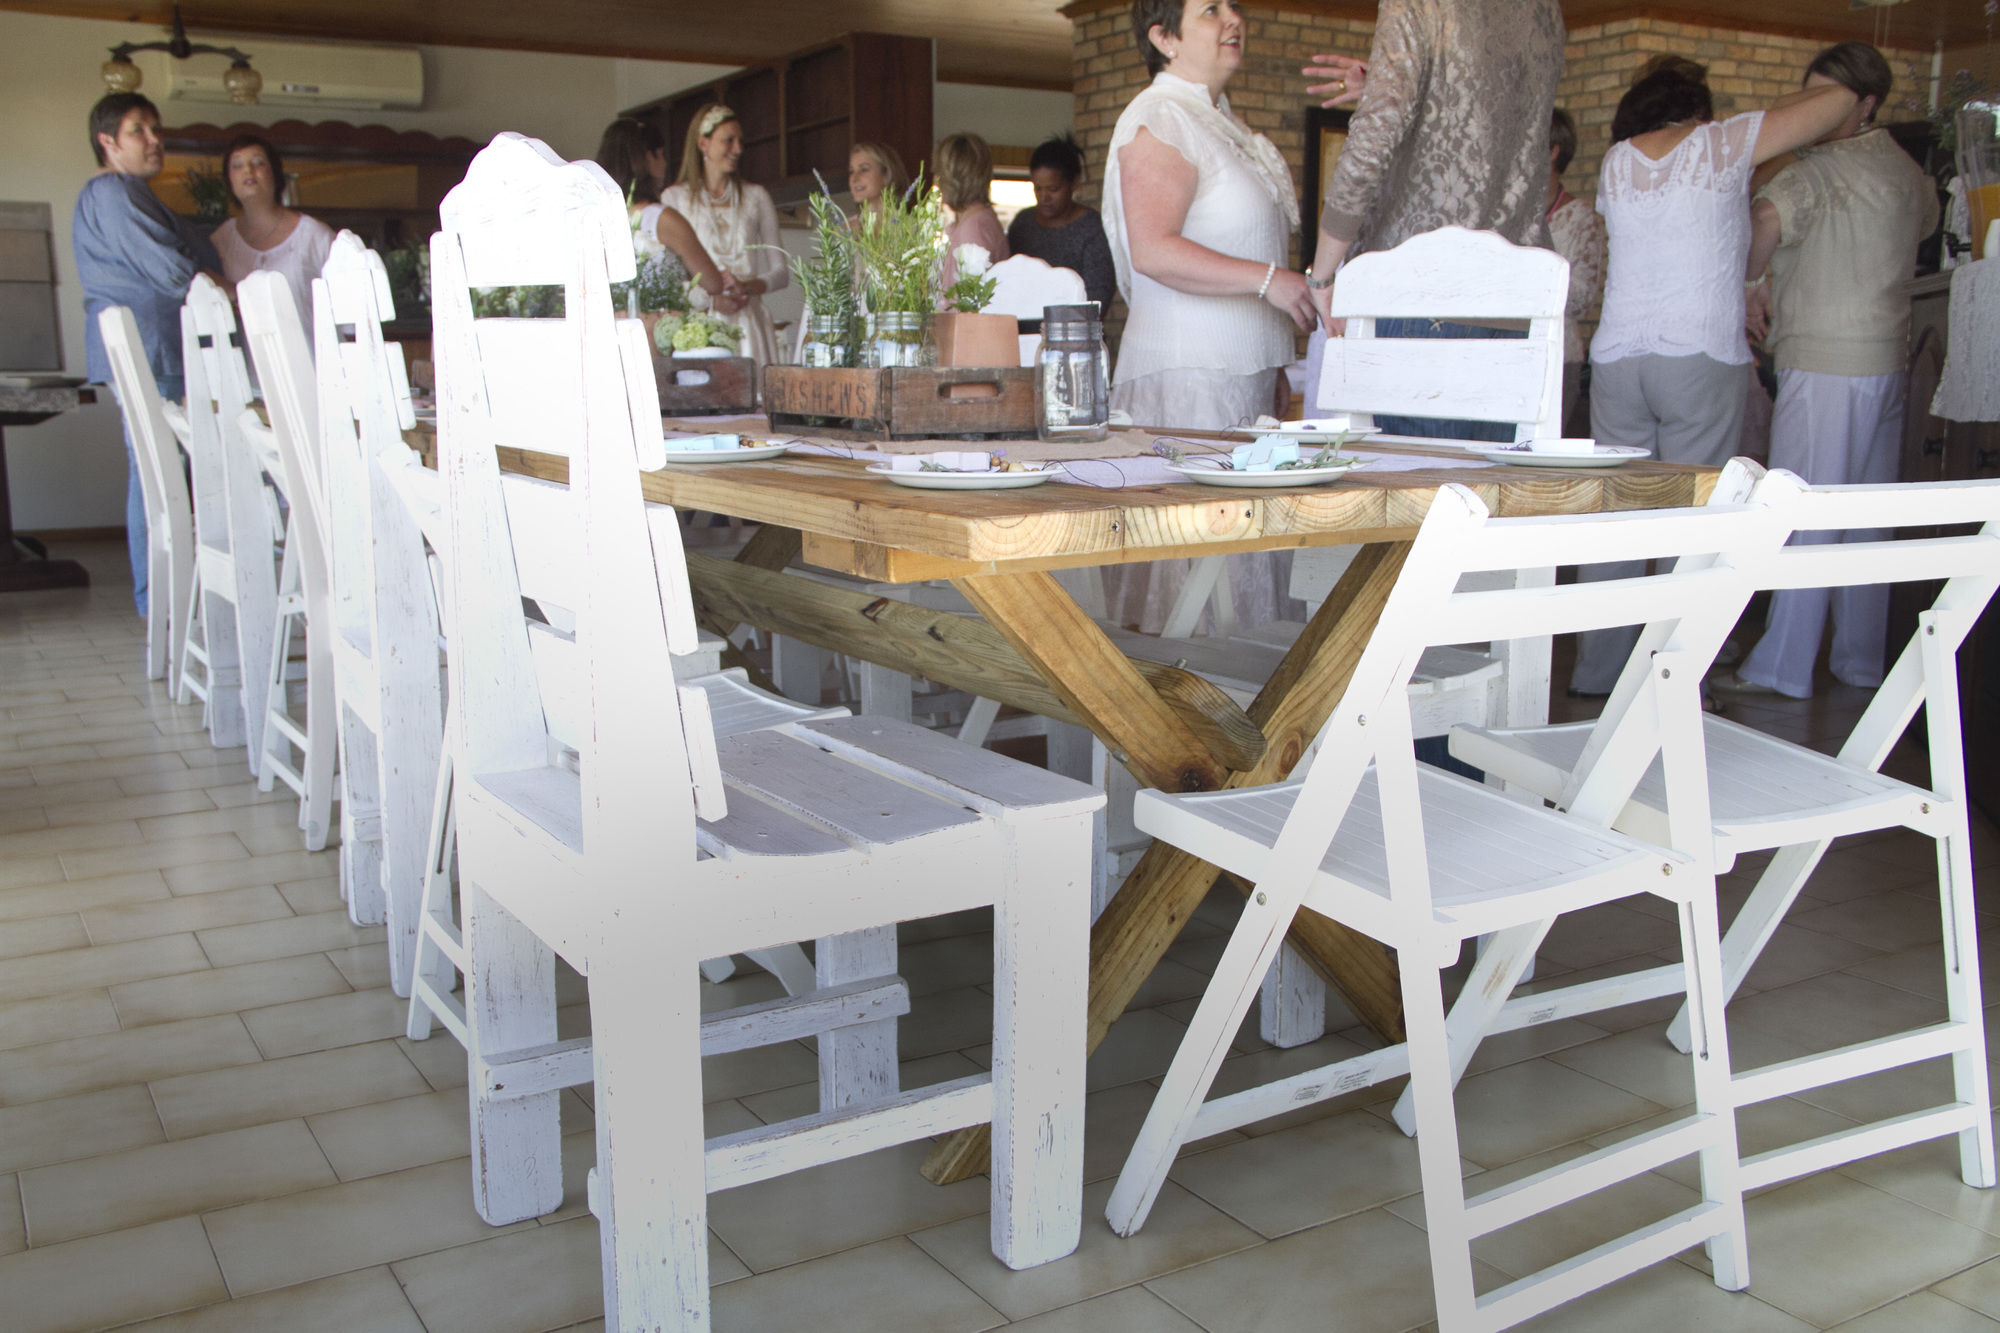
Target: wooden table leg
(1166, 886)
(770, 547)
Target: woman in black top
(1059, 230)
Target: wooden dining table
(1034, 648)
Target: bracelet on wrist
(1270, 272)
(1318, 284)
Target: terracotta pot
(976, 340)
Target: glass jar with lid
(1073, 374)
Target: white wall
(70, 472)
(1018, 117)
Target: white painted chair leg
(883, 692)
(798, 669)
(715, 971)
(510, 1004)
(857, 1064)
(361, 860)
(1292, 1003)
(317, 767)
(1756, 921)
(1075, 753)
(1040, 951)
(979, 719)
(1492, 980)
(1431, 1081)
(1192, 600)
(433, 970)
(789, 964)
(1721, 1160)
(194, 644)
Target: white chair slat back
(284, 364)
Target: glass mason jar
(1073, 375)
(898, 338)
(828, 341)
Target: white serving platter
(963, 481)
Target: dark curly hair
(1667, 90)
(271, 158)
(1059, 153)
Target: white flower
(645, 242)
(973, 260)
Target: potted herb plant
(827, 281)
(900, 250)
(965, 335)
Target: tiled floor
(209, 1120)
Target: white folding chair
(1024, 286)
(1423, 860)
(291, 396)
(1767, 792)
(235, 581)
(662, 846)
(169, 522)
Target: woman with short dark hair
(266, 235)
(1668, 362)
(633, 153)
(1058, 230)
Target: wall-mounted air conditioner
(368, 78)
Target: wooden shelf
(804, 111)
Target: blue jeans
(171, 387)
(1432, 427)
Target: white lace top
(1680, 235)
(1244, 206)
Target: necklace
(259, 241)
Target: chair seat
(1763, 791)
(1494, 862)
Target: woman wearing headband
(634, 154)
(736, 221)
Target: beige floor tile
(14, 800)
(1977, 1288)
(1111, 1121)
(1140, 1045)
(332, 1020)
(43, 934)
(60, 896)
(1133, 1310)
(892, 1284)
(281, 1089)
(21, 870)
(1921, 969)
(542, 1278)
(1669, 1298)
(945, 1021)
(367, 1301)
(228, 769)
(248, 987)
(228, 945)
(1181, 1231)
(154, 854)
(1828, 1248)
(71, 1128)
(106, 1280)
(1927, 1174)
(1931, 1313)
(308, 897)
(229, 821)
(279, 1242)
(1892, 921)
(29, 820)
(803, 1098)
(1373, 1268)
(1644, 1063)
(1532, 1107)
(68, 838)
(1833, 1010)
(13, 1229)
(381, 1137)
(364, 965)
(196, 912)
(98, 965)
(120, 1190)
(746, 1073)
(837, 1206)
(1795, 953)
(130, 807)
(71, 1014)
(441, 1059)
(1607, 933)
(87, 1064)
(1300, 1177)
(278, 869)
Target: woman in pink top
(965, 178)
(268, 235)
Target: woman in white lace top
(1667, 364)
(1199, 210)
(736, 222)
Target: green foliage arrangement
(685, 333)
(209, 189)
(901, 247)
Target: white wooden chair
(169, 521)
(1767, 792)
(808, 831)
(1024, 286)
(235, 583)
(1423, 860)
(277, 342)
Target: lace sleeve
(1172, 126)
(1735, 144)
(1398, 69)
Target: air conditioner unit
(367, 78)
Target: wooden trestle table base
(1038, 650)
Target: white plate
(1297, 476)
(1607, 455)
(756, 454)
(703, 353)
(963, 481)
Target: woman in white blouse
(736, 222)
(267, 236)
(1667, 363)
(1199, 210)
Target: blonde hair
(889, 160)
(707, 121)
(964, 171)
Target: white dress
(734, 234)
(1202, 362)
(300, 257)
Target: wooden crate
(901, 403)
(702, 385)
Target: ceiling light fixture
(243, 83)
